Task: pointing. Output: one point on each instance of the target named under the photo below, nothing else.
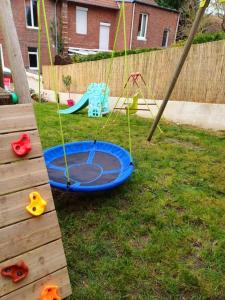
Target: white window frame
(36, 53)
(106, 25)
(79, 8)
(143, 38)
(32, 16)
(2, 56)
(167, 37)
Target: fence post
(175, 77)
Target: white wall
(203, 115)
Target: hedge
(77, 58)
(199, 39)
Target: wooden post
(179, 67)
(1, 71)
(11, 41)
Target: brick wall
(28, 37)
(158, 21)
(95, 15)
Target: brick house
(88, 26)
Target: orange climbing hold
(22, 146)
(50, 292)
(17, 272)
(37, 204)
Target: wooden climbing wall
(35, 240)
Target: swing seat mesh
(93, 166)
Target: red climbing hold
(22, 146)
(17, 272)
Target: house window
(165, 39)
(81, 20)
(33, 58)
(31, 14)
(142, 26)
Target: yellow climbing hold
(37, 204)
(202, 3)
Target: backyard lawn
(161, 235)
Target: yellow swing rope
(54, 88)
(149, 108)
(125, 75)
(99, 129)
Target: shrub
(201, 38)
(77, 58)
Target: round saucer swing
(86, 166)
(92, 166)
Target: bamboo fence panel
(202, 78)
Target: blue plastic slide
(81, 104)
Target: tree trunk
(11, 41)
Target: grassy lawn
(159, 236)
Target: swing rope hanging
(85, 166)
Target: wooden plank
(21, 175)
(41, 262)
(33, 290)
(27, 235)
(12, 206)
(15, 118)
(16, 110)
(3, 92)
(6, 153)
(13, 124)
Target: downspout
(56, 27)
(132, 25)
(178, 21)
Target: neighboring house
(25, 17)
(88, 26)
(91, 24)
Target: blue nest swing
(92, 166)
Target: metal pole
(182, 60)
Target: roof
(150, 3)
(114, 3)
(103, 3)
(153, 3)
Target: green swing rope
(125, 75)
(100, 129)
(54, 88)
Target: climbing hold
(37, 204)
(22, 146)
(17, 272)
(50, 292)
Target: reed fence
(202, 78)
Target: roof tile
(102, 3)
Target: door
(104, 36)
